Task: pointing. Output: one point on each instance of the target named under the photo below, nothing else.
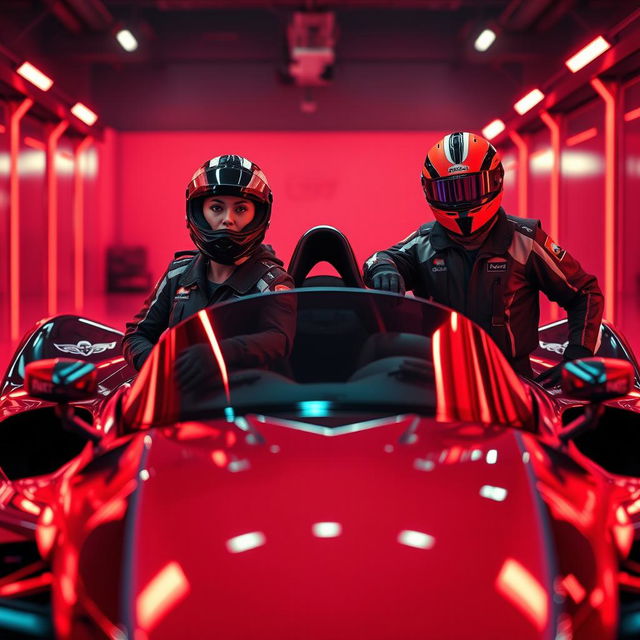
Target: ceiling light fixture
(83, 113)
(529, 101)
(35, 76)
(127, 40)
(485, 40)
(588, 53)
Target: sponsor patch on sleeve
(554, 249)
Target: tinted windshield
(318, 350)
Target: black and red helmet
(462, 180)
(234, 176)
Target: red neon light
(34, 143)
(24, 587)
(554, 129)
(219, 458)
(163, 592)
(632, 115)
(108, 363)
(583, 136)
(17, 113)
(215, 347)
(78, 226)
(522, 589)
(26, 505)
(3, 129)
(523, 172)
(609, 198)
(52, 217)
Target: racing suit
(499, 289)
(184, 289)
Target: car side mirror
(64, 380)
(597, 379)
(61, 380)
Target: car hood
(400, 528)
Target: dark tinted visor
(470, 187)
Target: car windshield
(313, 352)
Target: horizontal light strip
(632, 115)
(529, 101)
(35, 76)
(494, 128)
(583, 136)
(485, 40)
(83, 113)
(587, 54)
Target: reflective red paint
(517, 585)
(215, 348)
(163, 593)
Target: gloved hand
(196, 369)
(552, 377)
(387, 278)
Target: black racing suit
(184, 289)
(499, 288)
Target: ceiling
(400, 63)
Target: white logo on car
(554, 347)
(85, 348)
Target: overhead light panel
(35, 76)
(485, 40)
(588, 53)
(83, 113)
(529, 101)
(493, 129)
(127, 40)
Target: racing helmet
(462, 180)
(234, 176)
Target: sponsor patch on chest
(438, 264)
(183, 293)
(496, 264)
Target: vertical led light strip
(16, 114)
(554, 225)
(608, 94)
(52, 216)
(78, 225)
(523, 172)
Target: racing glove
(195, 369)
(552, 377)
(387, 278)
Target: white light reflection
(423, 465)
(493, 493)
(492, 456)
(238, 465)
(581, 163)
(245, 542)
(326, 529)
(144, 475)
(416, 539)
(526, 457)
(476, 454)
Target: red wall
(365, 184)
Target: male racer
(484, 263)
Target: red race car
(322, 463)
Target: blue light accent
(630, 624)
(314, 408)
(75, 374)
(229, 414)
(577, 371)
(24, 621)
